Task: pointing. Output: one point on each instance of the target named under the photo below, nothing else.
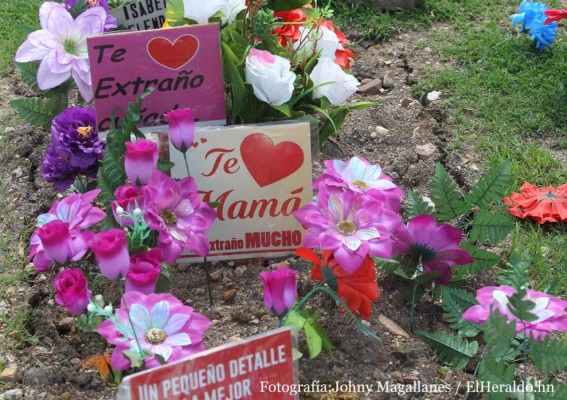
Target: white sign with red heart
(259, 174)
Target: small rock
(392, 326)
(188, 301)
(18, 172)
(414, 372)
(425, 150)
(14, 394)
(216, 276)
(9, 129)
(410, 379)
(229, 295)
(406, 101)
(30, 269)
(255, 321)
(372, 87)
(235, 339)
(433, 97)
(10, 292)
(9, 374)
(380, 130)
(397, 376)
(65, 325)
(240, 270)
(200, 291)
(388, 82)
(474, 168)
(337, 370)
(427, 49)
(37, 377)
(38, 350)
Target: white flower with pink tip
(270, 77)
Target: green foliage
(492, 187)
(549, 355)
(28, 73)
(497, 373)
(455, 302)
(516, 275)
(493, 227)
(483, 259)
(79, 8)
(88, 324)
(417, 205)
(35, 111)
(283, 5)
(451, 349)
(163, 284)
(447, 196)
(316, 336)
(499, 333)
(559, 391)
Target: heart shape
(269, 163)
(173, 55)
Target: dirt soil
(402, 134)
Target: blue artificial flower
(532, 18)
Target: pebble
(255, 321)
(371, 88)
(14, 394)
(9, 129)
(425, 150)
(392, 326)
(37, 377)
(65, 325)
(388, 82)
(433, 97)
(229, 294)
(240, 270)
(474, 168)
(397, 376)
(216, 276)
(9, 374)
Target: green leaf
(175, 11)
(496, 372)
(316, 336)
(239, 92)
(417, 205)
(136, 359)
(284, 109)
(164, 165)
(455, 302)
(451, 349)
(494, 227)
(333, 124)
(34, 110)
(492, 187)
(284, 5)
(77, 9)
(483, 259)
(360, 105)
(499, 333)
(28, 72)
(163, 284)
(549, 355)
(447, 196)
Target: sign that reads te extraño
(259, 174)
(230, 372)
(182, 65)
(141, 16)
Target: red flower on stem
(554, 15)
(545, 204)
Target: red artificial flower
(554, 15)
(357, 290)
(289, 32)
(343, 57)
(546, 204)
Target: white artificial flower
(201, 11)
(322, 39)
(270, 77)
(332, 82)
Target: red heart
(269, 163)
(173, 55)
(203, 140)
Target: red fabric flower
(289, 31)
(555, 15)
(546, 204)
(358, 290)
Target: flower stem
(186, 163)
(476, 371)
(130, 319)
(206, 264)
(413, 307)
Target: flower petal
(175, 323)
(160, 314)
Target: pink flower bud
(59, 243)
(128, 199)
(72, 290)
(181, 128)
(140, 160)
(280, 290)
(144, 271)
(111, 251)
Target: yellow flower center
(155, 336)
(360, 184)
(84, 131)
(92, 3)
(168, 217)
(347, 228)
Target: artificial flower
(201, 12)
(332, 82)
(554, 15)
(436, 246)
(59, 244)
(110, 248)
(351, 225)
(140, 160)
(270, 76)
(61, 45)
(72, 290)
(289, 31)
(161, 325)
(76, 210)
(358, 175)
(550, 310)
(109, 23)
(358, 290)
(321, 39)
(128, 198)
(342, 55)
(175, 210)
(181, 128)
(280, 290)
(532, 20)
(144, 271)
(545, 204)
(60, 173)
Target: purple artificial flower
(60, 173)
(280, 290)
(437, 246)
(144, 271)
(60, 244)
(72, 290)
(175, 210)
(350, 224)
(550, 310)
(181, 128)
(128, 198)
(110, 248)
(110, 22)
(358, 175)
(61, 46)
(140, 160)
(161, 325)
(76, 210)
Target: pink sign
(182, 65)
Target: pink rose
(280, 290)
(181, 128)
(144, 271)
(128, 199)
(111, 252)
(270, 76)
(72, 290)
(140, 160)
(59, 243)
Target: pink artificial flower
(140, 160)
(110, 248)
(59, 244)
(77, 210)
(550, 310)
(61, 45)
(280, 290)
(72, 290)
(128, 197)
(436, 245)
(144, 271)
(358, 175)
(181, 128)
(175, 210)
(350, 224)
(161, 325)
